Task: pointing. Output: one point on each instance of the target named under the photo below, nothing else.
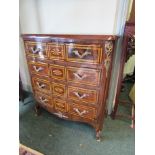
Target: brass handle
(40, 85)
(79, 77)
(76, 52)
(43, 99)
(37, 69)
(36, 50)
(61, 115)
(80, 96)
(80, 113)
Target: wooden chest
(70, 75)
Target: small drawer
(43, 99)
(60, 105)
(36, 49)
(80, 94)
(57, 72)
(83, 76)
(56, 51)
(38, 68)
(58, 89)
(41, 85)
(82, 111)
(84, 53)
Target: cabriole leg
(37, 109)
(98, 135)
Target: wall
(71, 17)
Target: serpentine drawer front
(36, 49)
(84, 53)
(83, 75)
(70, 75)
(41, 85)
(39, 68)
(83, 111)
(82, 95)
(43, 99)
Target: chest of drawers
(70, 75)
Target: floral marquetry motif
(56, 51)
(57, 72)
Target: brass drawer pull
(59, 114)
(40, 85)
(44, 100)
(80, 113)
(76, 52)
(79, 77)
(37, 69)
(36, 50)
(80, 96)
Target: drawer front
(80, 94)
(60, 105)
(58, 89)
(57, 72)
(39, 68)
(41, 85)
(84, 76)
(36, 49)
(43, 99)
(56, 51)
(84, 53)
(82, 111)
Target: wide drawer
(84, 53)
(58, 89)
(82, 111)
(83, 75)
(41, 85)
(60, 105)
(57, 72)
(36, 49)
(56, 51)
(43, 99)
(80, 94)
(38, 68)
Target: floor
(53, 136)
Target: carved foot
(98, 136)
(38, 109)
(112, 116)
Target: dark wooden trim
(73, 36)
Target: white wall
(77, 16)
(69, 17)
